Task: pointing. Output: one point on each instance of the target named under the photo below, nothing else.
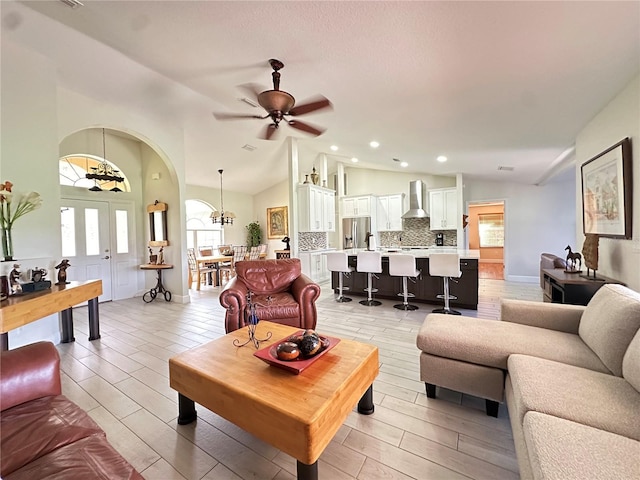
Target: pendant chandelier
(104, 172)
(222, 217)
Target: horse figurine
(571, 260)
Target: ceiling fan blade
(234, 116)
(252, 89)
(306, 127)
(317, 103)
(269, 131)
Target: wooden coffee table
(298, 414)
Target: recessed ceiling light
(354, 160)
(334, 148)
(374, 144)
(442, 159)
(404, 164)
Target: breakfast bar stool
(404, 266)
(370, 263)
(339, 262)
(446, 265)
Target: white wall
(276, 196)
(618, 258)
(361, 181)
(537, 219)
(239, 203)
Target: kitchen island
(426, 288)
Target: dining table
(216, 260)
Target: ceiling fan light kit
(280, 104)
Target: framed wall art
(606, 192)
(277, 222)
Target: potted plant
(254, 235)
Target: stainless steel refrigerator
(355, 231)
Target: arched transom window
(74, 168)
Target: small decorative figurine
(572, 258)
(153, 258)
(160, 259)
(286, 240)
(62, 271)
(14, 280)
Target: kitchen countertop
(419, 253)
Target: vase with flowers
(12, 207)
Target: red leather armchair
(280, 291)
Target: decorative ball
(287, 351)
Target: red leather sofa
(42, 433)
(280, 291)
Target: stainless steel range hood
(417, 200)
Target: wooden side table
(571, 288)
(159, 289)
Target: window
(201, 231)
(491, 229)
(73, 168)
(68, 224)
(122, 232)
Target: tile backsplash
(312, 241)
(416, 233)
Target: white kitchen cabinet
(314, 265)
(443, 209)
(390, 210)
(329, 210)
(362, 206)
(316, 207)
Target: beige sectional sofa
(570, 376)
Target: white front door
(98, 239)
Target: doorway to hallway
(486, 230)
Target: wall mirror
(158, 224)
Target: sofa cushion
(563, 450)
(268, 276)
(34, 429)
(592, 398)
(609, 322)
(276, 306)
(631, 363)
(89, 458)
(490, 342)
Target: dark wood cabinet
(426, 288)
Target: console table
(19, 310)
(562, 287)
(159, 289)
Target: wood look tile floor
(122, 381)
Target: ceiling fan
(280, 104)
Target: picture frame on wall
(277, 222)
(606, 192)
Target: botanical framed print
(606, 192)
(277, 222)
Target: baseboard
(522, 279)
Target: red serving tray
(268, 354)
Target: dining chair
(206, 251)
(263, 250)
(254, 253)
(239, 254)
(196, 271)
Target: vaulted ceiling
(488, 84)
